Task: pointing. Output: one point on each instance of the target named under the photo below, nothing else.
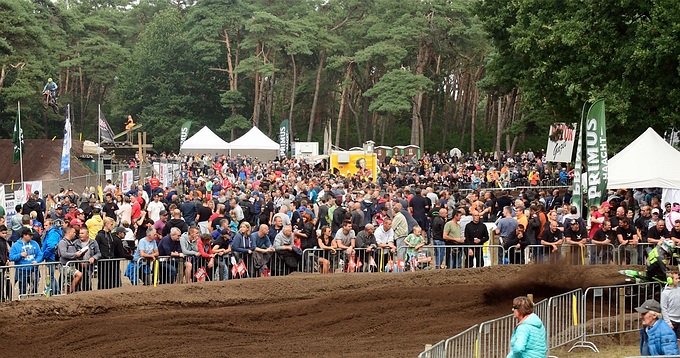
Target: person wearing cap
(656, 216)
(628, 240)
(577, 238)
(162, 220)
(58, 213)
(597, 217)
(26, 252)
(95, 223)
(656, 336)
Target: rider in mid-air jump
(52, 87)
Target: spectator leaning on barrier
(91, 255)
(287, 251)
(69, 252)
(5, 284)
(26, 251)
(476, 234)
(529, 339)
(656, 336)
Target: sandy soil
(302, 315)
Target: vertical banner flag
(577, 199)
(66, 150)
(31, 187)
(283, 139)
(561, 142)
(596, 153)
(128, 180)
(18, 140)
(105, 129)
(184, 133)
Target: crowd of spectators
(226, 217)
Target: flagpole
(99, 143)
(68, 108)
(21, 147)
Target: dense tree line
(438, 73)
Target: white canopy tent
(647, 162)
(205, 141)
(256, 144)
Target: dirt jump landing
(338, 315)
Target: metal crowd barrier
(590, 254)
(564, 322)
(457, 256)
(633, 254)
(611, 310)
(31, 280)
(494, 336)
(464, 344)
(436, 351)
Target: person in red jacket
(207, 258)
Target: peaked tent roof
(256, 144)
(205, 141)
(647, 162)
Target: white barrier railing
(464, 344)
(568, 317)
(436, 351)
(611, 310)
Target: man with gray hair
(656, 336)
(171, 251)
(366, 246)
(147, 251)
(286, 250)
(400, 227)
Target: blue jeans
(455, 260)
(54, 288)
(439, 252)
(27, 277)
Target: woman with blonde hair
(529, 338)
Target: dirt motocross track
(302, 315)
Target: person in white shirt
(384, 237)
(125, 210)
(154, 208)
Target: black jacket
(178, 223)
(477, 230)
(33, 205)
(110, 246)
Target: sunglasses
(515, 307)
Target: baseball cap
(120, 229)
(26, 231)
(606, 204)
(573, 222)
(80, 210)
(649, 305)
(655, 211)
(225, 232)
(76, 222)
(58, 207)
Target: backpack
(247, 215)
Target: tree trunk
(499, 128)
(416, 119)
(343, 99)
(292, 99)
(315, 100)
(82, 101)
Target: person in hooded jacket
(529, 339)
(26, 251)
(53, 234)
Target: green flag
(596, 153)
(184, 133)
(18, 139)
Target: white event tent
(647, 162)
(204, 142)
(256, 144)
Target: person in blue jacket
(49, 247)
(26, 252)
(529, 340)
(656, 336)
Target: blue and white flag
(66, 150)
